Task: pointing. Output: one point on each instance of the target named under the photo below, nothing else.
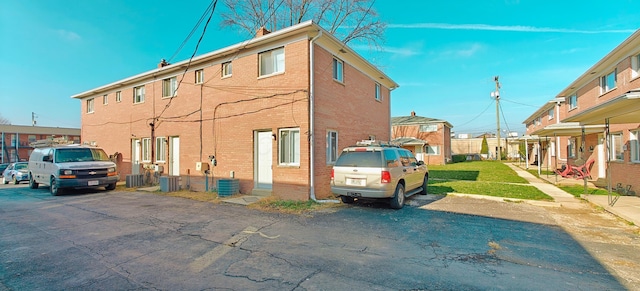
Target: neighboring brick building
(15, 139)
(597, 117)
(429, 139)
(275, 110)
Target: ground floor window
(161, 149)
(635, 145)
(571, 148)
(432, 150)
(332, 146)
(146, 150)
(617, 154)
(289, 145)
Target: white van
(71, 166)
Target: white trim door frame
(174, 156)
(263, 160)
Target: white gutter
(312, 192)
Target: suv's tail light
(385, 177)
(332, 174)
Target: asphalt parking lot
(131, 240)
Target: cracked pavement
(131, 240)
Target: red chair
(565, 172)
(583, 171)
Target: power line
(204, 14)
(483, 111)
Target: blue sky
(444, 54)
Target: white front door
(174, 162)
(602, 157)
(263, 159)
(135, 156)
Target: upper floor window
(378, 95)
(635, 66)
(573, 101)
(118, 96)
(337, 70)
(289, 145)
(428, 127)
(634, 142)
(105, 99)
(138, 94)
(90, 105)
(227, 69)
(608, 82)
(551, 112)
(169, 87)
(538, 121)
(617, 152)
(199, 76)
(271, 62)
(332, 147)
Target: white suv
(373, 170)
(71, 166)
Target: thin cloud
(466, 51)
(516, 28)
(405, 52)
(68, 35)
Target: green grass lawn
(577, 190)
(489, 178)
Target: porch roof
(622, 109)
(568, 129)
(409, 141)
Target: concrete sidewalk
(626, 207)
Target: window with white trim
(617, 154)
(271, 62)
(138, 94)
(552, 148)
(31, 138)
(432, 150)
(634, 143)
(378, 95)
(428, 127)
(635, 66)
(161, 149)
(227, 69)
(571, 148)
(338, 67)
(573, 101)
(169, 87)
(332, 146)
(105, 99)
(146, 149)
(90, 105)
(289, 145)
(118, 96)
(608, 82)
(551, 112)
(199, 75)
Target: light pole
(496, 94)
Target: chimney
(262, 31)
(413, 113)
(163, 63)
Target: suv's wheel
(110, 186)
(347, 199)
(32, 183)
(53, 187)
(397, 201)
(425, 182)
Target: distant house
(594, 119)
(15, 139)
(428, 138)
(274, 112)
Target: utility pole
(497, 95)
(33, 119)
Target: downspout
(312, 193)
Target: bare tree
(4, 120)
(348, 20)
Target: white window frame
(605, 81)
(616, 147)
(571, 147)
(169, 86)
(118, 96)
(432, 150)
(551, 113)
(635, 66)
(634, 144)
(552, 148)
(138, 94)
(378, 93)
(428, 128)
(289, 147)
(573, 101)
(338, 70)
(146, 149)
(332, 147)
(271, 62)
(161, 149)
(105, 99)
(199, 76)
(227, 69)
(90, 105)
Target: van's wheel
(53, 187)
(110, 186)
(397, 201)
(32, 183)
(425, 182)
(347, 199)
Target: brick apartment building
(428, 138)
(596, 118)
(15, 139)
(274, 111)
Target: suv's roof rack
(52, 141)
(375, 143)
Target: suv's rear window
(80, 155)
(371, 159)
